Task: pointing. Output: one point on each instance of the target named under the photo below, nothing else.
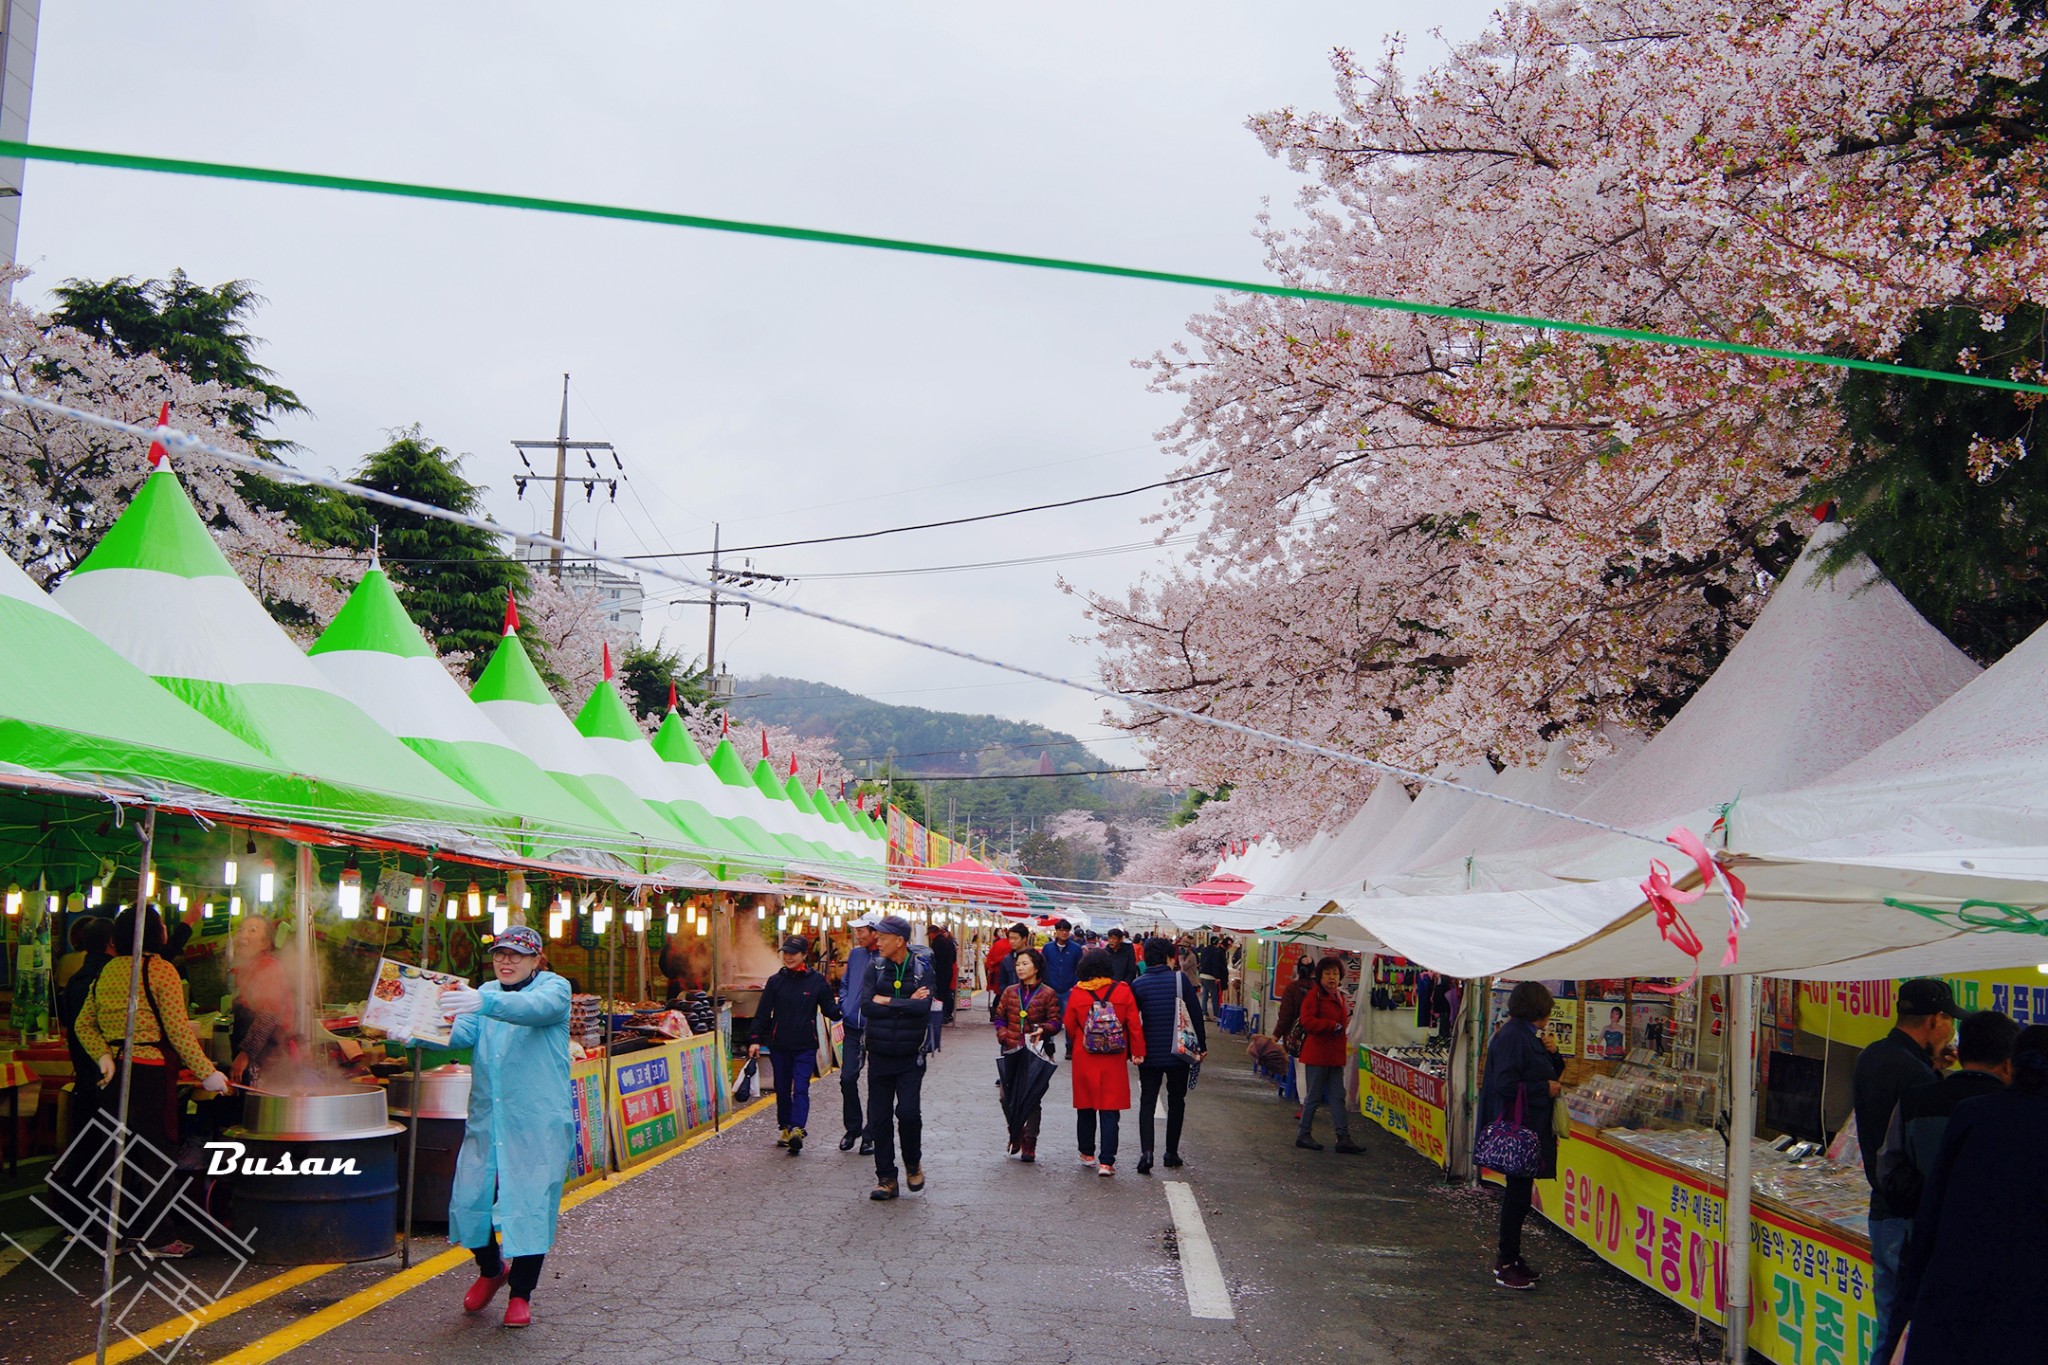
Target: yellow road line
(20, 1245)
(164, 1333)
(355, 1305)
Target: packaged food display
(1815, 1187)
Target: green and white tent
(814, 825)
(725, 765)
(374, 655)
(71, 707)
(677, 749)
(613, 737)
(160, 592)
(785, 814)
(512, 696)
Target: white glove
(460, 1000)
(216, 1081)
(106, 1071)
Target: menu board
(647, 1103)
(405, 1002)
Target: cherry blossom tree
(572, 627)
(1428, 539)
(814, 755)
(63, 483)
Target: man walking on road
(1214, 960)
(1062, 960)
(787, 1020)
(852, 1051)
(897, 1004)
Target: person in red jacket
(1326, 1020)
(1102, 1078)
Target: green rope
(216, 170)
(2009, 919)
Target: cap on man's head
(518, 939)
(1925, 995)
(894, 924)
(797, 944)
(868, 920)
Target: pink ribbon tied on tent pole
(1665, 898)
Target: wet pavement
(735, 1251)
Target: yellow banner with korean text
(1861, 1012)
(1812, 1296)
(1407, 1102)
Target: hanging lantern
(95, 894)
(703, 927)
(476, 901)
(416, 897)
(674, 923)
(13, 899)
(348, 895)
(206, 909)
(234, 907)
(230, 872)
(266, 883)
(454, 907)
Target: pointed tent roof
(726, 766)
(609, 730)
(109, 721)
(1340, 868)
(678, 749)
(787, 812)
(163, 595)
(512, 695)
(1831, 668)
(373, 654)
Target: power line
(1000, 777)
(933, 525)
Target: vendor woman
(515, 1153)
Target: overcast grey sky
(784, 390)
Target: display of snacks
(586, 1021)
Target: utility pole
(746, 578)
(711, 636)
(562, 445)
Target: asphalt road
(734, 1251)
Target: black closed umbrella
(1027, 1074)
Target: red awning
(968, 879)
(1220, 890)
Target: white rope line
(175, 440)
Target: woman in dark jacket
(1156, 992)
(786, 1023)
(1960, 1300)
(1522, 1062)
(1027, 1011)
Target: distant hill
(924, 741)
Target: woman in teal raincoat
(522, 1130)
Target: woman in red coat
(1325, 1022)
(1102, 1080)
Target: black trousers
(1175, 1081)
(490, 1263)
(896, 1088)
(851, 1054)
(1515, 1203)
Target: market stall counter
(1406, 1090)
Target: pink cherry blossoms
(1437, 540)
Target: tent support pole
(136, 967)
(1741, 1125)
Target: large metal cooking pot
(442, 1093)
(341, 1114)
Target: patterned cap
(518, 939)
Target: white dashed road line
(1200, 1272)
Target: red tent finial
(671, 696)
(792, 763)
(511, 613)
(724, 725)
(157, 453)
(607, 661)
(764, 744)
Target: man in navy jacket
(786, 1020)
(853, 1050)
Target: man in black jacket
(1123, 958)
(898, 1006)
(1984, 1047)
(786, 1019)
(1902, 1060)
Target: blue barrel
(1230, 1018)
(319, 1219)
